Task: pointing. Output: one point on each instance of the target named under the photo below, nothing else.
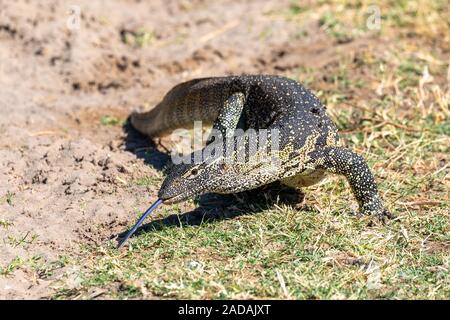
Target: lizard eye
(192, 173)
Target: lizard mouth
(172, 200)
(181, 197)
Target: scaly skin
(307, 139)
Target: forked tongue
(139, 222)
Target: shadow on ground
(145, 148)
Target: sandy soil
(66, 178)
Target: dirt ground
(68, 170)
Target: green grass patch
(108, 120)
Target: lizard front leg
(355, 169)
(229, 116)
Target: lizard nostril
(315, 110)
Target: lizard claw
(383, 215)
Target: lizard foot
(382, 214)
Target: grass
(5, 223)
(320, 255)
(390, 102)
(108, 120)
(25, 239)
(138, 38)
(9, 198)
(36, 264)
(16, 263)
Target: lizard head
(216, 175)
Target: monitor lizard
(307, 141)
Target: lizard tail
(143, 122)
(195, 100)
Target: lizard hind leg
(305, 180)
(300, 181)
